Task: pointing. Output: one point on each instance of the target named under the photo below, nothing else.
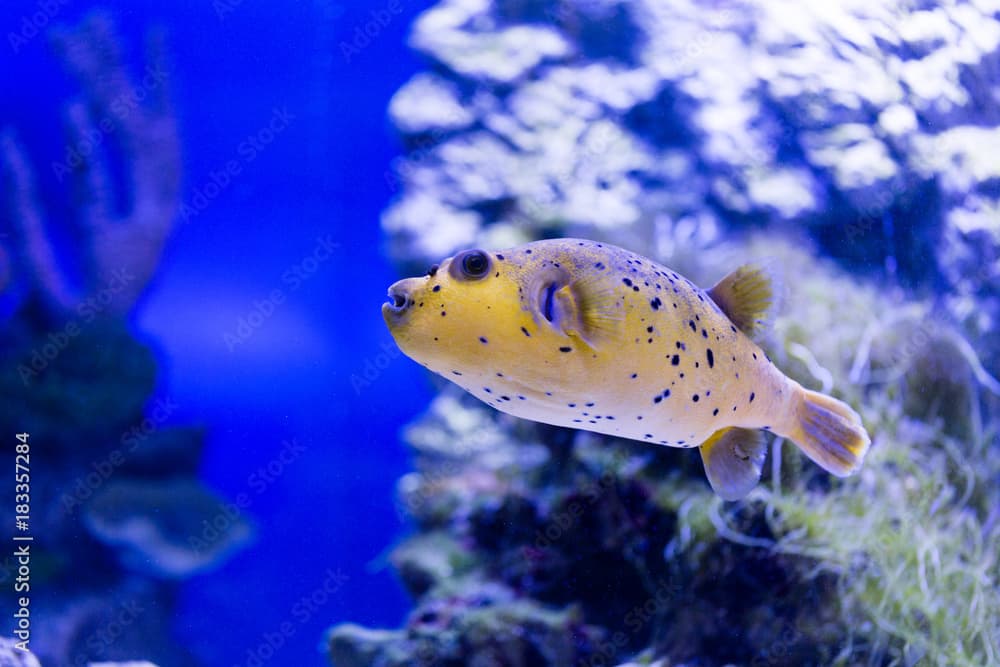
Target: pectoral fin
(734, 458)
(594, 312)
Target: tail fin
(829, 432)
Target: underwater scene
(500, 333)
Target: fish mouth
(399, 300)
(396, 301)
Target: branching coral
(121, 223)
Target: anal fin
(734, 458)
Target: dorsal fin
(747, 297)
(733, 459)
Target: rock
(12, 656)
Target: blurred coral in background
(117, 503)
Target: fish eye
(474, 264)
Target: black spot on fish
(590, 405)
(443, 313)
(499, 256)
(755, 355)
(635, 375)
(649, 329)
(577, 421)
(751, 397)
(437, 288)
(648, 435)
(733, 328)
(627, 281)
(681, 346)
(525, 332)
(695, 398)
(499, 375)
(610, 417)
(522, 398)
(505, 398)
(456, 372)
(711, 358)
(433, 270)
(715, 412)
(656, 303)
(599, 266)
(697, 365)
(572, 405)
(528, 251)
(482, 339)
(487, 390)
(675, 360)
(657, 399)
(565, 349)
(548, 393)
(691, 324)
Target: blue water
(326, 510)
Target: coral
(121, 224)
(12, 656)
(117, 496)
(157, 527)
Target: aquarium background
(320, 181)
(297, 158)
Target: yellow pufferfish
(590, 336)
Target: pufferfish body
(590, 336)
